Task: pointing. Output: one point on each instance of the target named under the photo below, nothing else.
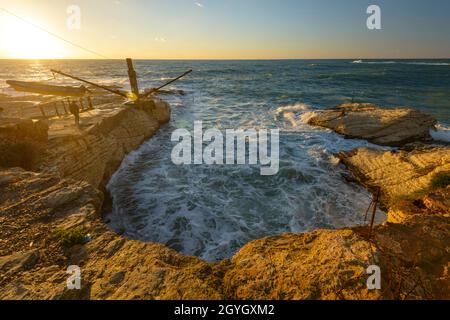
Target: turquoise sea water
(211, 211)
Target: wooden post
(56, 109)
(81, 104)
(42, 111)
(133, 78)
(91, 106)
(64, 105)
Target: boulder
(389, 127)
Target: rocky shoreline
(66, 193)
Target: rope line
(53, 34)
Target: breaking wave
(417, 63)
(441, 133)
(212, 211)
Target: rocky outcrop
(400, 174)
(96, 154)
(323, 264)
(65, 196)
(415, 188)
(22, 142)
(389, 127)
(33, 263)
(37, 208)
(15, 130)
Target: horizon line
(216, 59)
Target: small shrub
(441, 180)
(71, 237)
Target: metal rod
(152, 91)
(120, 93)
(367, 211)
(374, 212)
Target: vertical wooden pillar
(81, 104)
(133, 78)
(91, 106)
(56, 109)
(64, 106)
(42, 110)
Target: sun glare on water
(19, 40)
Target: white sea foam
(292, 108)
(417, 63)
(212, 211)
(441, 133)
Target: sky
(225, 29)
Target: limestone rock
(415, 240)
(390, 127)
(96, 154)
(412, 253)
(15, 130)
(400, 174)
(323, 264)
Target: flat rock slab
(388, 127)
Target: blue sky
(233, 29)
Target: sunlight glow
(19, 40)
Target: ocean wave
(295, 114)
(441, 133)
(417, 63)
(212, 211)
(292, 108)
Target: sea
(211, 211)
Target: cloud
(158, 39)
(199, 5)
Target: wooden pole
(120, 93)
(133, 78)
(154, 90)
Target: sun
(19, 40)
